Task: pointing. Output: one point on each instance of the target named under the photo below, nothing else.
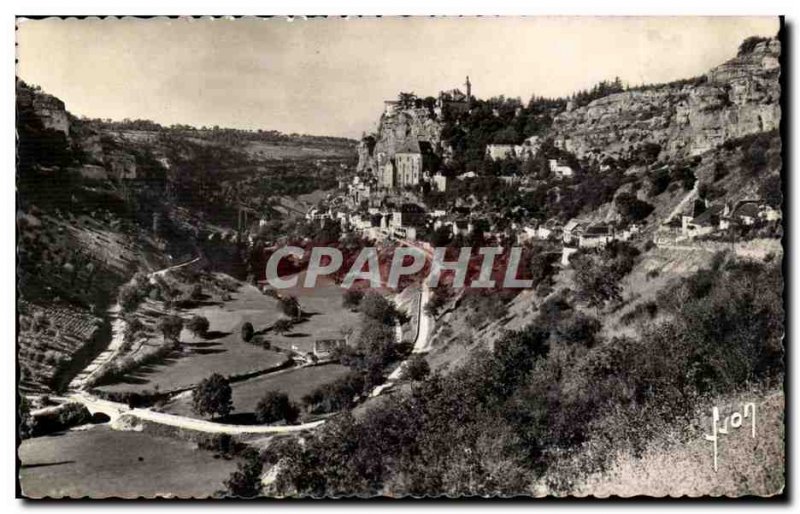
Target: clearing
(222, 351)
(101, 463)
(246, 395)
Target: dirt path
(115, 410)
(117, 338)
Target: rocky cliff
(48, 109)
(739, 97)
(394, 130)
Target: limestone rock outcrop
(739, 97)
(394, 131)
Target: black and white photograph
(431, 257)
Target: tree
(198, 325)
(170, 326)
(442, 236)
(352, 298)
(247, 331)
(631, 208)
(597, 282)
(282, 326)
(377, 307)
(197, 292)
(275, 406)
(213, 396)
(129, 298)
(245, 482)
(416, 368)
(290, 306)
(132, 328)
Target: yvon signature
(734, 421)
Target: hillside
(737, 98)
(100, 200)
(603, 374)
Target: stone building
(408, 162)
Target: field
(294, 382)
(223, 351)
(102, 463)
(325, 316)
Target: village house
(560, 171)
(707, 222)
(526, 234)
(572, 231)
(549, 229)
(326, 347)
(439, 182)
(387, 175)
(596, 235)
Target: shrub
(196, 292)
(337, 395)
(220, 443)
(129, 298)
(170, 326)
(276, 406)
(245, 482)
(282, 326)
(352, 298)
(247, 331)
(198, 325)
(290, 306)
(61, 418)
(377, 307)
(416, 368)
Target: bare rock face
(394, 131)
(734, 99)
(50, 110)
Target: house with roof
(559, 170)
(596, 235)
(326, 347)
(526, 234)
(462, 227)
(572, 231)
(707, 222)
(551, 229)
(439, 182)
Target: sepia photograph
(428, 257)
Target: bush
(196, 292)
(377, 307)
(290, 306)
(245, 482)
(416, 368)
(337, 395)
(198, 325)
(352, 298)
(247, 331)
(219, 443)
(276, 406)
(282, 326)
(61, 418)
(170, 326)
(129, 298)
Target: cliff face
(737, 98)
(394, 130)
(50, 111)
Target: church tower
(468, 84)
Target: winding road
(116, 410)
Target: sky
(331, 76)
